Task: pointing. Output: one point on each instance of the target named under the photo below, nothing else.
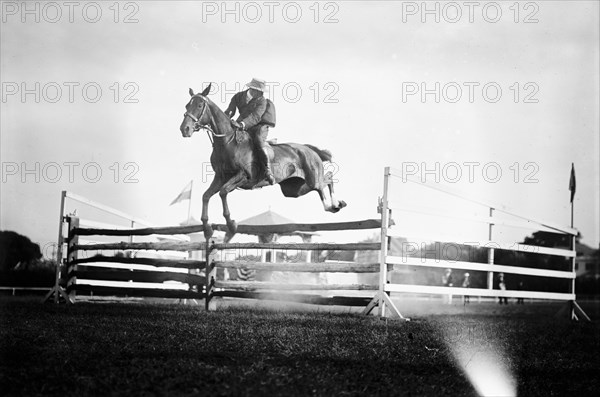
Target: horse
(297, 168)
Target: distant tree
(17, 251)
(548, 239)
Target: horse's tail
(325, 155)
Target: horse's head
(196, 113)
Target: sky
(494, 101)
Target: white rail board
(428, 262)
(425, 289)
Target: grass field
(180, 350)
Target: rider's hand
(236, 125)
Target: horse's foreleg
(214, 187)
(238, 180)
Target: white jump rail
(387, 262)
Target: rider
(257, 114)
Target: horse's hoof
(341, 204)
(231, 230)
(228, 237)
(232, 226)
(208, 231)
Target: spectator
(448, 282)
(466, 284)
(520, 300)
(502, 287)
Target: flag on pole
(185, 194)
(572, 182)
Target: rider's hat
(258, 84)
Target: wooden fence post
(490, 275)
(382, 298)
(575, 311)
(383, 276)
(72, 254)
(211, 274)
(57, 291)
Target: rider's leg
(261, 142)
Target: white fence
(387, 261)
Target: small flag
(186, 194)
(572, 182)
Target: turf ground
(141, 348)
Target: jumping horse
(298, 169)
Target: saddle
(243, 136)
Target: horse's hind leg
(326, 199)
(301, 190)
(232, 184)
(337, 204)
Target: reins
(207, 127)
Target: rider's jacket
(259, 110)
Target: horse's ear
(191, 92)
(206, 90)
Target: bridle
(196, 120)
(207, 127)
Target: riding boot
(267, 164)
